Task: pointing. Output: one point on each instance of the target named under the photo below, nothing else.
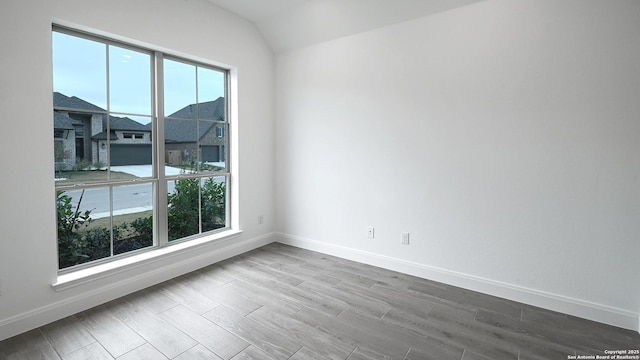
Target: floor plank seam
(280, 302)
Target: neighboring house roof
(62, 121)
(103, 136)
(182, 131)
(210, 110)
(120, 124)
(63, 101)
(176, 131)
(126, 124)
(58, 98)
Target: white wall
(504, 136)
(27, 200)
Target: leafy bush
(183, 215)
(185, 201)
(144, 228)
(81, 164)
(71, 245)
(213, 205)
(99, 165)
(77, 243)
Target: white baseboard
(572, 306)
(32, 319)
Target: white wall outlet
(370, 232)
(260, 219)
(405, 238)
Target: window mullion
(161, 210)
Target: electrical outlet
(370, 232)
(260, 219)
(405, 238)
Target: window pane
(130, 146)
(213, 200)
(64, 145)
(179, 89)
(181, 148)
(129, 81)
(184, 215)
(79, 70)
(211, 101)
(76, 146)
(213, 145)
(132, 217)
(84, 232)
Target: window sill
(84, 276)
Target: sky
(80, 69)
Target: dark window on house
(106, 210)
(219, 131)
(133, 135)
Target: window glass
(196, 205)
(129, 81)
(132, 217)
(211, 94)
(181, 152)
(79, 70)
(84, 231)
(129, 146)
(184, 208)
(179, 89)
(212, 145)
(213, 201)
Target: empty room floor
(281, 302)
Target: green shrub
(71, 245)
(79, 244)
(99, 165)
(185, 201)
(143, 228)
(81, 164)
(183, 209)
(213, 205)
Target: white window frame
(162, 247)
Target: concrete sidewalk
(144, 170)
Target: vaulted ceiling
(290, 24)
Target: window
(115, 196)
(132, 135)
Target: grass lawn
(119, 219)
(90, 175)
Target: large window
(139, 160)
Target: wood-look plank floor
(280, 302)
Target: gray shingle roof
(175, 130)
(124, 123)
(63, 101)
(62, 121)
(182, 131)
(103, 136)
(210, 110)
